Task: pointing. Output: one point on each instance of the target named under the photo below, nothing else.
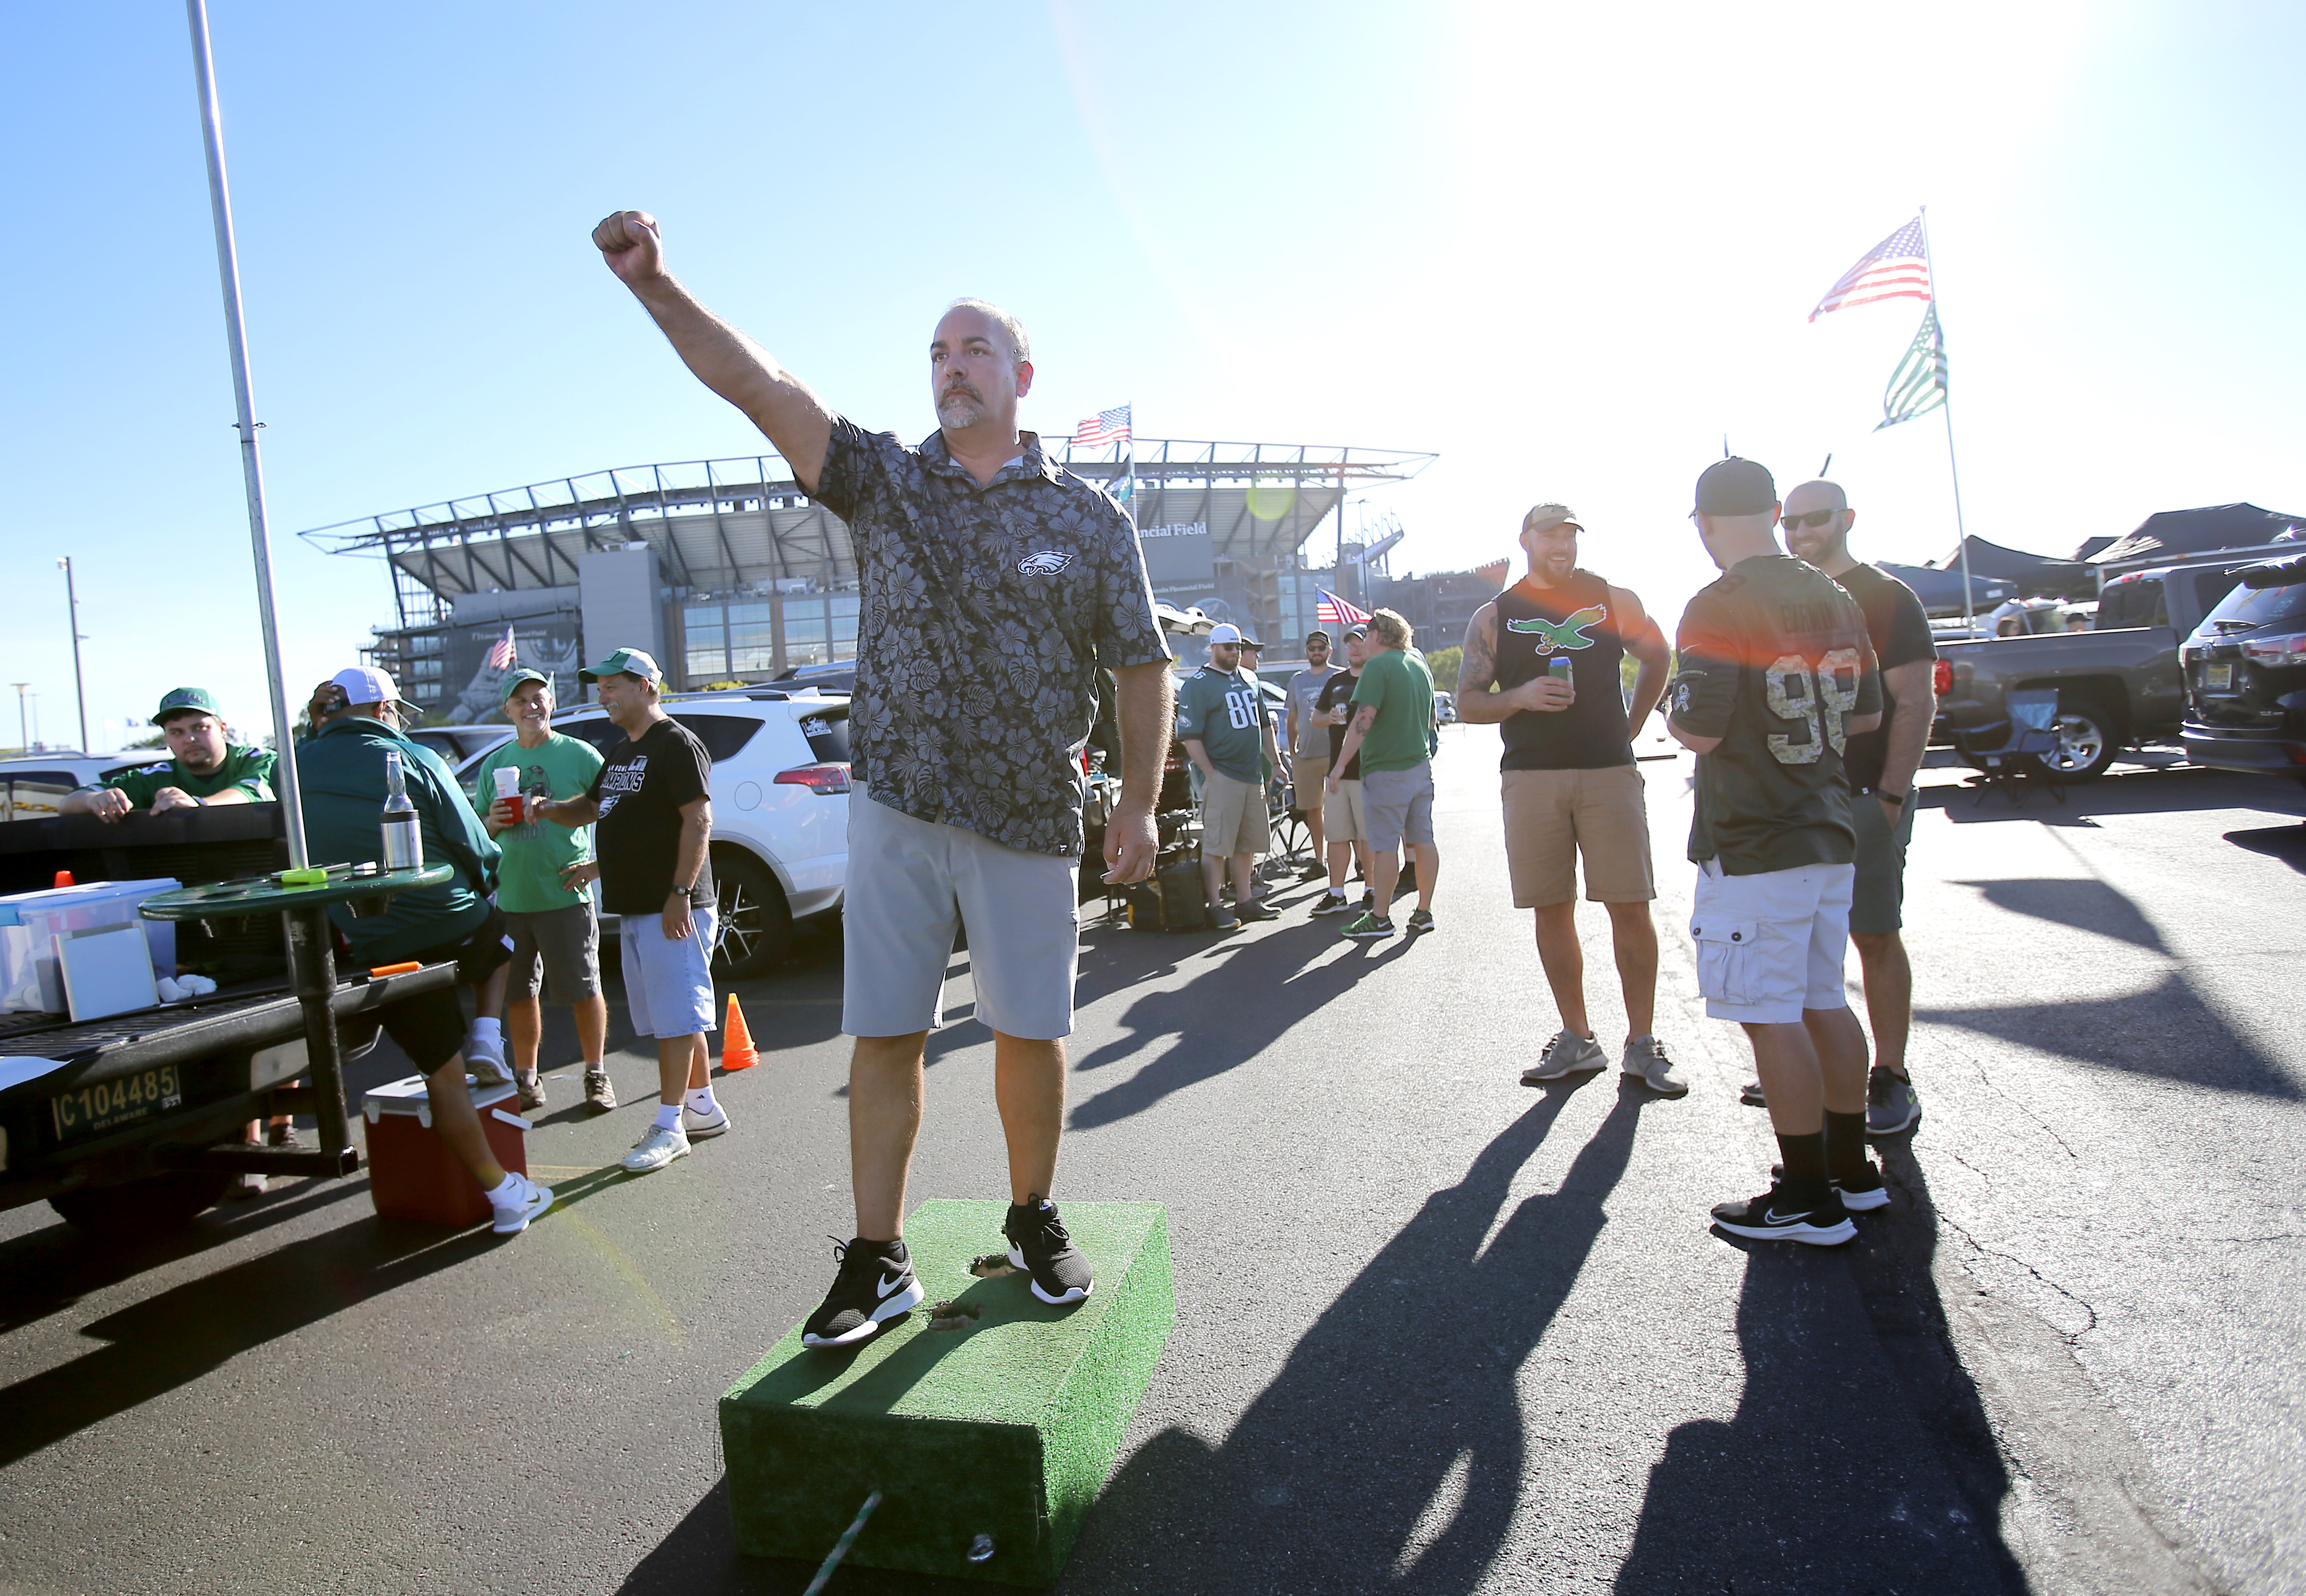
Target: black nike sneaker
(1773, 1216)
(1861, 1193)
(1038, 1245)
(876, 1284)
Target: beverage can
(1558, 668)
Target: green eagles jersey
(248, 769)
(1224, 711)
(1774, 661)
(1400, 737)
(536, 852)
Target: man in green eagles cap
(205, 769)
(541, 887)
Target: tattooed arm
(1477, 703)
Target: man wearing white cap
(1228, 735)
(341, 769)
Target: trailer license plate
(90, 1109)
(2218, 678)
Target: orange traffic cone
(64, 879)
(736, 1049)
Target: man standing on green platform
(203, 769)
(543, 887)
(1392, 735)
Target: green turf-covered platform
(1005, 1429)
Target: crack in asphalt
(2071, 1339)
(1987, 1081)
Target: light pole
(23, 737)
(72, 612)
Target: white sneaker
(486, 1069)
(527, 1202)
(699, 1127)
(658, 1149)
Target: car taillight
(822, 780)
(2288, 649)
(1941, 677)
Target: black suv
(2246, 674)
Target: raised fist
(628, 240)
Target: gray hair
(1020, 348)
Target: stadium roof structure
(725, 526)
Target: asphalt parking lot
(1437, 1331)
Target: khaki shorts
(1877, 904)
(1342, 820)
(1307, 772)
(912, 883)
(1553, 816)
(1233, 817)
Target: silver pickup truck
(2118, 685)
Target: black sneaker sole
(903, 1301)
(1078, 1294)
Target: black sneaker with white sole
(876, 1284)
(1774, 1218)
(1038, 1244)
(1332, 903)
(1860, 1194)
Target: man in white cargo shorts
(994, 585)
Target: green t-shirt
(248, 769)
(1402, 688)
(1224, 711)
(1774, 661)
(536, 852)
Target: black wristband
(1895, 797)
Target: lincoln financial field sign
(1180, 561)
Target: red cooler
(411, 1174)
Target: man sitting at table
(204, 769)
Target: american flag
(1329, 610)
(503, 651)
(1106, 426)
(1897, 268)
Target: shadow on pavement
(2128, 791)
(2084, 903)
(1860, 1458)
(2284, 842)
(173, 1338)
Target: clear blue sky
(1567, 252)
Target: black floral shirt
(985, 614)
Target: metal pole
(71, 610)
(23, 735)
(1968, 610)
(292, 809)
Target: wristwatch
(1895, 797)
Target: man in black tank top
(1551, 645)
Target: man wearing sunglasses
(1881, 766)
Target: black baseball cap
(1735, 487)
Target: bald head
(1817, 521)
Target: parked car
(34, 786)
(2118, 685)
(780, 808)
(2246, 674)
(1444, 708)
(457, 744)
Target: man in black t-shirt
(1881, 766)
(1344, 831)
(1776, 675)
(651, 807)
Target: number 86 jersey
(1773, 660)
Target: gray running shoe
(1222, 918)
(600, 1094)
(1569, 1054)
(656, 1150)
(1750, 1094)
(1420, 920)
(1891, 1105)
(1644, 1059)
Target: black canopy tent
(2033, 574)
(2173, 534)
(1941, 591)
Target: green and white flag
(1919, 385)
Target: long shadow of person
(1402, 1395)
(1860, 1458)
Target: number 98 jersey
(1773, 660)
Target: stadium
(727, 572)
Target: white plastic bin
(30, 922)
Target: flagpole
(284, 776)
(1953, 470)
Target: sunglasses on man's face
(1815, 518)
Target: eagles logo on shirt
(1048, 562)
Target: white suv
(780, 808)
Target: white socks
(510, 1191)
(701, 1100)
(487, 1039)
(668, 1116)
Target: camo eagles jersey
(1537, 626)
(985, 615)
(1774, 661)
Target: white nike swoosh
(1774, 1218)
(885, 1286)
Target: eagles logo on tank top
(1539, 625)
